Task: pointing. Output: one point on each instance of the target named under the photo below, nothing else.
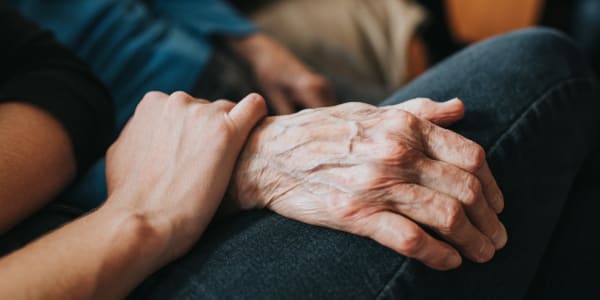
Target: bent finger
(492, 191)
(443, 214)
(467, 188)
(407, 238)
(445, 145)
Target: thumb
(439, 113)
(248, 112)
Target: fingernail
(498, 202)
(453, 260)
(500, 237)
(486, 252)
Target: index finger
(445, 145)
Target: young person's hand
(379, 173)
(173, 161)
(288, 83)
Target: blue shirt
(134, 46)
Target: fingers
(445, 145)
(445, 215)
(492, 192)
(440, 113)
(248, 112)
(313, 92)
(280, 103)
(407, 238)
(466, 188)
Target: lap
(520, 90)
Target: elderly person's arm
(55, 118)
(286, 82)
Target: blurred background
(383, 44)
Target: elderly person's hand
(377, 172)
(288, 84)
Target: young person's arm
(55, 118)
(166, 175)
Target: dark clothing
(36, 70)
(585, 28)
(531, 102)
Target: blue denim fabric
(531, 101)
(586, 28)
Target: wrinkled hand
(287, 83)
(378, 172)
(173, 161)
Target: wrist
(247, 186)
(143, 238)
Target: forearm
(164, 190)
(36, 161)
(103, 255)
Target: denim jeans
(585, 28)
(532, 103)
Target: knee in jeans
(552, 50)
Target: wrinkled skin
(381, 173)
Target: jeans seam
(397, 273)
(493, 147)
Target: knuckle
(475, 157)
(411, 242)
(453, 219)
(406, 121)
(180, 97)
(153, 95)
(149, 99)
(471, 190)
(399, 154)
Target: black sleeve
(36, 70)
